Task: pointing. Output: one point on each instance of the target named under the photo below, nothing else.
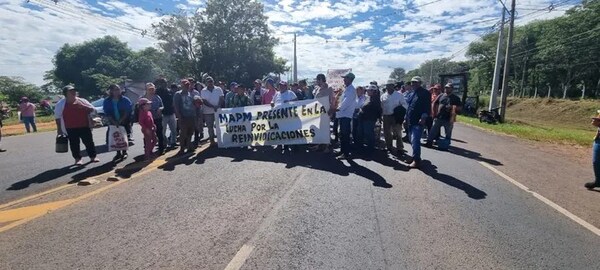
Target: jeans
(345, 130)
(415, 140)
(170, 122)
(368, 128)
(436, 129)
(209, 119)
(159, 134)
(357, 132)
(336, 125)
(390, 130)
(29, 122)
(596, 160)
(85, 135)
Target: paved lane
(305, 211)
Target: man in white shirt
(212, 99)
(390, 100)
(283, 95)
(357, 131)
(344, 113)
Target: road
(245, 209)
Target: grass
(540, 133)
(12, 127)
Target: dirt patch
(19, 129)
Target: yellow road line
(36, 195)
(26, 214)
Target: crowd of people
(176, 115)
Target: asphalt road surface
(264, 209)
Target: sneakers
(344, 156)
(78, 162)
(94, 160)
(592, 185)
(414, 165)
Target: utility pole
(295, 61)
(507, 60)
(496, 81)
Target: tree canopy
(229, 40)
(97, 63)
(13, 88)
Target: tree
(13, 88)
(397, 74)
(95, 64)
(229, 39)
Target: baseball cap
(210, 79)
(144, 101)
(373, 83)
(449, 85)
(185, 82)
(416, 79)
(69, 88)
(283, 83)
(233, 84)
(372, 87)
(257, 81)
(350, 75)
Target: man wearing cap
(322, 89)
(344, 113)
(595, 155)
(230, 94)
(447, 106)
(257, 93)
(419, 108)
(390, 101)
(27, 110)
(270, 93)
(240, 99)
(72, 116)
(187, 115)
(304, 89)
(212, 98)
(284, 95)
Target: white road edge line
(550, 203)
(239, 258)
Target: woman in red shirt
(72, 117)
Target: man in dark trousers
(419, 108)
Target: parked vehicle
(490, 117)
(98, 116)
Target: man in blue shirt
(419, 108)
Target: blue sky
(370, 36)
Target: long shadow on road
(299, 158)
(431, 170)
(473, 155)
(45, 177)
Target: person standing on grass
(148, 124)
(27, 110)
(156, 110)
(118, 110)
(419, 108)
(72, 116)
(595, 155)
(344, 113)
(212, 99)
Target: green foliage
(397, 74)
(13, 88)
(229, 39)
(434, 68)
(97, 63)
(562, 53)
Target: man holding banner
(344, 113)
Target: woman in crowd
(156, 110)
(148, 124)
(118, 110)
(27, 110)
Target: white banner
(298, 122)
(334, 78)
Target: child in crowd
(148, 128)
